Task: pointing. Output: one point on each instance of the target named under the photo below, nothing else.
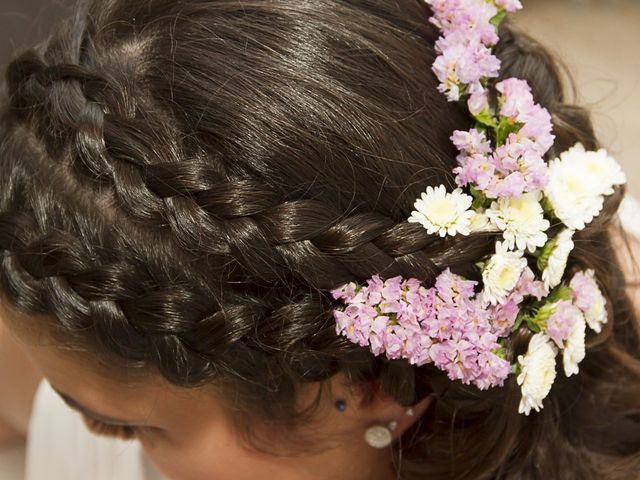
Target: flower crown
(504, 185)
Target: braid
(266, 233)
(242, 245)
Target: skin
(189, 436)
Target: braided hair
(182, 183)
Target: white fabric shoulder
(629, 214)
(60, 447)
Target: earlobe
(381, 436)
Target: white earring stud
(379, 436)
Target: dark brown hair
(182, 183)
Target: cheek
(217, 456)
(211, 455)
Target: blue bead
(341, 405)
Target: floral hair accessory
(504, 185)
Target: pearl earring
(381, 436)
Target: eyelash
(123, 432)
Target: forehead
(133, 397)
(35, 332)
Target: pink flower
(418, 348)
(471, 16)
(589, 299)
(378, 335)
(391, 289)
(517, 97)
(528, 285)
(471, 142)
(445, 324)
(478, 101)
(512, 169)
(477, 170)
(373, 290)
(346, 292)
(394, 343)
(493, 370)
(561, 322)
(537, 127)
(504, 315)
(520, 107)
(513, 185)
(452, 288)
(463, 61)
(509, 5)
(585, 291)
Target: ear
(375, 407)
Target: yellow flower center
(524, 208)
(574, 185)
(505, 278)
(441, 211)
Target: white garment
(60, 447)
(629, 214)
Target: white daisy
(574, 349)
(538, 372)
(521, 219)
(597, 314)
(555, 254)
(604, 169)
(481, 223)
(501, 273)
(578, 179)
(444, 213)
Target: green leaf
(561, 292)
(543, 314)
(547, 250)
(500, 352)
(498, 17)
(478, 203)
(462, 90)
(533, 326)
(482, 129)
(547, 207)
(503, 130)
(479, 199)
(516, 368)
(519, 319)
(486, 117)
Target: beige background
(600, 43)
(599, 40)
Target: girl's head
(183, 183)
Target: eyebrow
(75, 405)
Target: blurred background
(599, 40)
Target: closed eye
(124, 432)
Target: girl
(184, 188)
